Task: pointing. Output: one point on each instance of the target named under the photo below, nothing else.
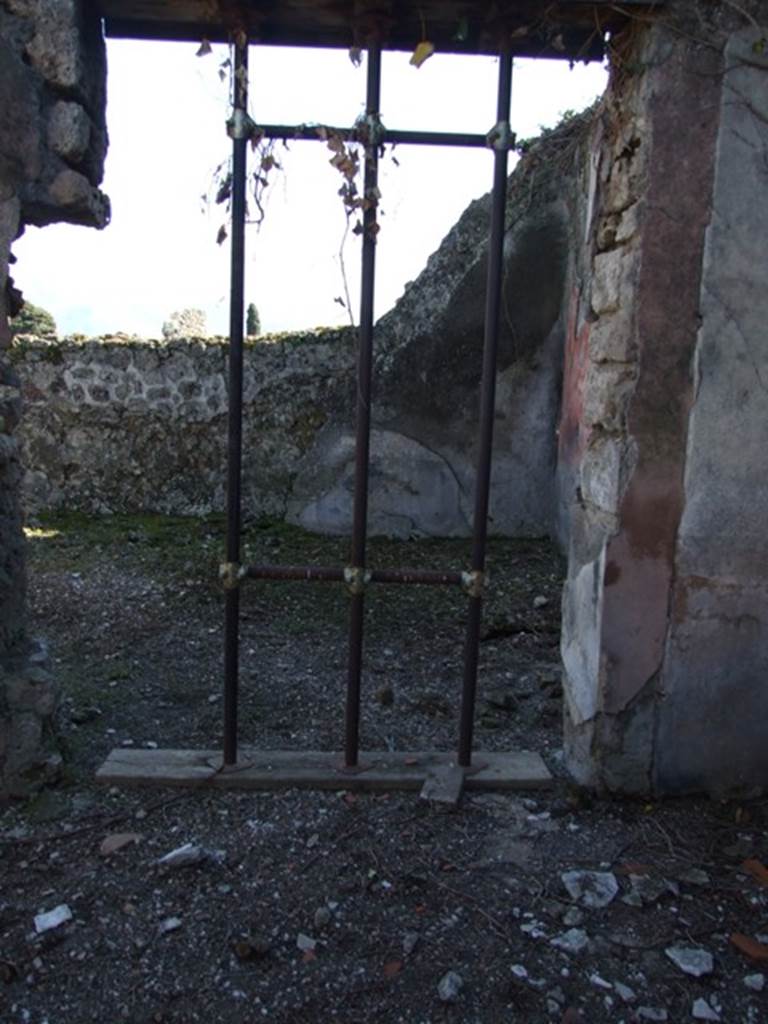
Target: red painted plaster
(684, 122)
(573, 434)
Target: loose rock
(322, 917)
(573, 941)
(701, 1010)
(449, 986)
(591, 888)
(755, 981)
(625, 992)
(651, 1013)
(696, 962)
(52, 918)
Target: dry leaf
(749, 947)
(205, 49)
(392, 968)
(356, 55)
(422, 52)
(308, 955)
(222, 235)
(411, 760)
(757, 869)
(112, 843)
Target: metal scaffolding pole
(238, 128)
(502, 144)
(363, 405)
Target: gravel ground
(302, 906)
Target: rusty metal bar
(419, 576)
(363, 404)
(316, 133)
(239, 130)
(487, 405)
(329, 574)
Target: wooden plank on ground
(444, 785)
(288, 769)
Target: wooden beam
(291, 769)
(567, 29)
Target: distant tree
(252, 322)
(33, 320)
(186, 323)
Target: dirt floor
(301, 906)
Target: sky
(167, 111)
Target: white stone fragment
(182, 856)
(170, 924)
(701, 1010)
(625, 992)
(573, 941)
(651, 1013)
(52, 918)
(591, 888)
(305, 943)
(519, 971)
(535, 929)
(449, 986)
(599, 982)
(755, 981)
(690, 960)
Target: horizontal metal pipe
(424, 576)
(329, 574)
(318, 133)
(308, 573)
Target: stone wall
(121, 425)
(663, 453)
(427, 364)
(52, 145)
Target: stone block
(31, 691)
(607, 392)
(77, 201)
(28, 697)
(609, 281)
(55, 49)
(612, 338)
(601, 472)
(20, 149)
(69, 131)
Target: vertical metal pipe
(487, 406)
(363, 404)
(238, 130)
